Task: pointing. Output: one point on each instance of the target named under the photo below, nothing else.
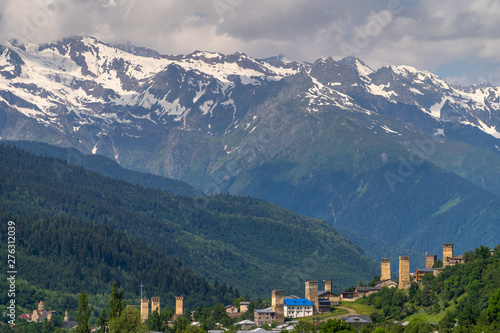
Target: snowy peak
(80, 84)
(362, 68)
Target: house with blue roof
(297, 308)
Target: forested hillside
(250, 244)
(105, 166)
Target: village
(285, 310)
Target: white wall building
(297, 308)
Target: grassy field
(360, 308)
(325, 316)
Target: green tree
(438, 264)
(154, 321)
(128, 322)
(305, 327)
(116, 302)
(335, 325)
(180, 324)
(83, 314)
(493, 310)
(448, 321)
(102, 321)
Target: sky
(456, 39)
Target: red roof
(25, 316)
(41, 302)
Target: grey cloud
(421, 33)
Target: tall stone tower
(144, 309)
(328, 285)
(447, 253)
(155, 304)
(404, 272)
(430, 260)
(385, 264)
(278, 305)
(179, 305)
(66, 316)
(312, 294)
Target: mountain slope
(65, 255)
(246, 242)
(317, 138)
(106, 167)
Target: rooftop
(266, 310)
(425, 269)
(364, 289)
(357, 319)
(299, 301)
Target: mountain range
(394, 154)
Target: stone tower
(144, 309)
(66, 316)
(312, 294)
(244, 307)
(278, 305)
(328, 285)
(447, 253)
(404, 272)
(385, 264)
(179, 305)
(430, 260)
(41, 306)
(155, 304)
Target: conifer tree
(83, 314)
(116, 302)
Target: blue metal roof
(298, 301)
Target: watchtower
(404, 272)
(430, 260)
(385, 265)
(278, 305)
(312, 294)
(447, 253)
(144, 309)
(179, 305)
(328, 285)
(155, 304)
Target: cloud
(423, 33)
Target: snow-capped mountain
(316, 138)
(95, 93)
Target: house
(232, 311)
(365, 291)
(298, 308)
(333, 298)
(357, 319)
(387, 283)
(246, 324)
(420, 272)
(292, 296)
(264, 316)
(325, 305)
(348, 296)
(456, 260)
